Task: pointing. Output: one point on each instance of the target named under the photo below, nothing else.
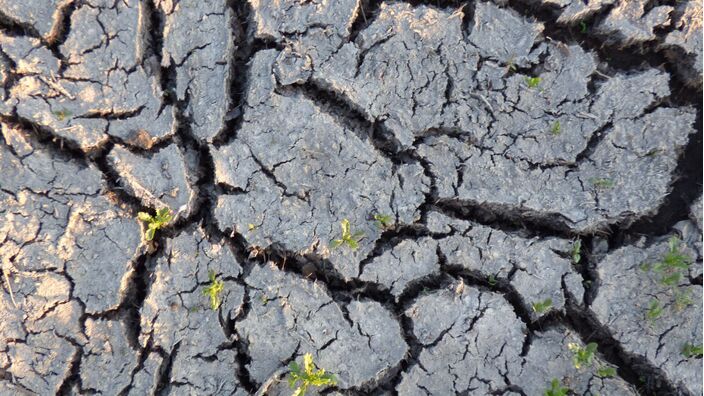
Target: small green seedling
(62, 114)
(492, 280)
(692, 351)
(556, 389)
(533, 82)
(511, 65)
(347, 238)
(673, 265)
(541, 307)
(654, 310)
(602, 183)
(213, 290)
(308, 376)
(382, 221)
(583, 27)
(606, 372)
(582, 356)
(653, 153)
(577, 251)
(556, 128)
(682, 299)
(160, 220)
(671, 279)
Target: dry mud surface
(496, 137)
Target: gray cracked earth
(495, 136)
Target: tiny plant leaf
(347, 238)
(682, 299)
(301, 378)
(673, 265)
(606, 372)
(163, 215)
(671, 279)
(335, 243)
(160, 220)
(213, 290)
(146, 217)
(149, 235)
(382, 221)
(583, 356)
(511, 65)
(533, 82)
(556, 389)
(492, 280)
(583, 27)
(576, 251)
(601, 183)
(692, 351)
(556, 128)
(672, 268)
(653, 153)
(654, 310)
(541, 307)
(62, 114)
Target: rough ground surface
(532, 162)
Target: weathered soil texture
(522, 178)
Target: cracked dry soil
(495, 135)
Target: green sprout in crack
(602, 183)
(671, 279)
(160, 220)
(556, 128)
(556, 389)
(692, 351)
(672, 265)
(653, 153)
(308, 376)
(606, 372)
(583, 27)
(61, 114)
(492, 280)
(682, 299)
(511, 65)
(382, 221)
(541, 307)
(533, 82)
(583, 356)
(576, 251)
(347, 238)
(213, 290)
(654, 310)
